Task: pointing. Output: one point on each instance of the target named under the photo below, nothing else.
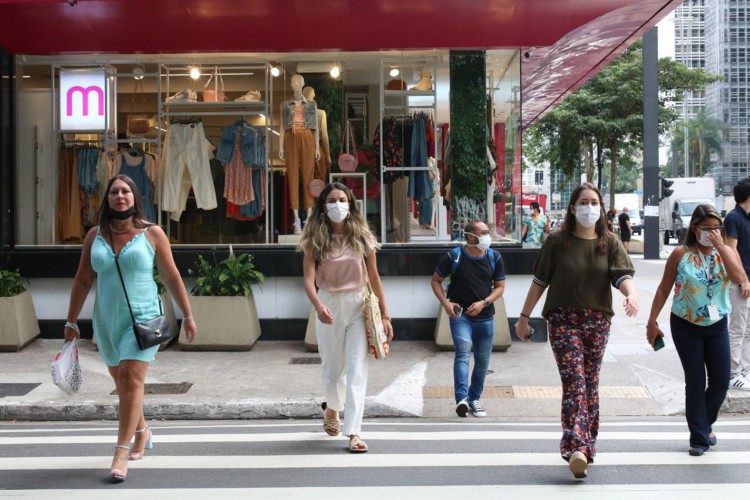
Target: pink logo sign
(84, 99)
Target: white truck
(675, 210)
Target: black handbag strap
(122, 281)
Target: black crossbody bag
(147, 333)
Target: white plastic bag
(65, 369)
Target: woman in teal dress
(534, 227)
(124, 230)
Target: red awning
(582, 35)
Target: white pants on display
(343, 352)
(186, 147)
(739, 334)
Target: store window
(226, 149)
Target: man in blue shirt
(737, 224)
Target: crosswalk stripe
(373, 460)
(528, 492)
(370, 436)
(12, 429)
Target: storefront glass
(206, 148)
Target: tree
(604, 117)
(704, 140)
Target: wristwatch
(486, 303)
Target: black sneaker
(477, 409)
(462, 409)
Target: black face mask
(122, 215)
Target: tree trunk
(613, 172)
(599, 165)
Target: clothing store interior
(234, 148)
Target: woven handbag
(377, 340)
(138, 124)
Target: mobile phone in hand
(457, 310)
(658, 343)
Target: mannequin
(299, 127)
(323, 165)
(425, 82)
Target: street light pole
(685, 131)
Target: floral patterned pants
(578, 339)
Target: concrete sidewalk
(274, 379)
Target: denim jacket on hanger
(252, 144)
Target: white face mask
(587, 215)
(704, 240)
(484, 241)
(337, 211)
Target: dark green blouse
(578, 276)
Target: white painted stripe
(401, 423)
(530, 492)
(371, 436)
(338, 460)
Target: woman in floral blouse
(534, 227)
(701, 272)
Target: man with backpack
(477, 280)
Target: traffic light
(665, 192)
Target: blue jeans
(466, 333)
(703, 350)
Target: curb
(253, 409)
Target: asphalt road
(408, 458)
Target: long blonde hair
(317, 237)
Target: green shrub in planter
(11, 283)
(232, 277)
(18, 324)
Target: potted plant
(18, 323)
(222, 303)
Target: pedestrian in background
(700, 271)
(611, 219)
(737, 226)
(124, 231)
(477, 280)
(578, 266)
(535, 227)
(337, 242)
(626, 231)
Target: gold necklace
(121, 231)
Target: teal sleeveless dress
(113, 326)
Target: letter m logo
(84, 99)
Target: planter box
(500, 342)
(224, 324)
(18, 324)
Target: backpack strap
(455, 255)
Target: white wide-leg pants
(343, 352)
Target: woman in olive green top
(577, 265)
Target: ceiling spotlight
(195, 73)
(394, 72)
(275, 71)
(138, 72)
(335, 71)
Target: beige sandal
(356, 445)
(332, 425)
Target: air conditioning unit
(315, 67)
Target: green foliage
(232, 277)
(159, 283)
(604, 117)
(704, 141)
(11, 283)
(468, 105)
